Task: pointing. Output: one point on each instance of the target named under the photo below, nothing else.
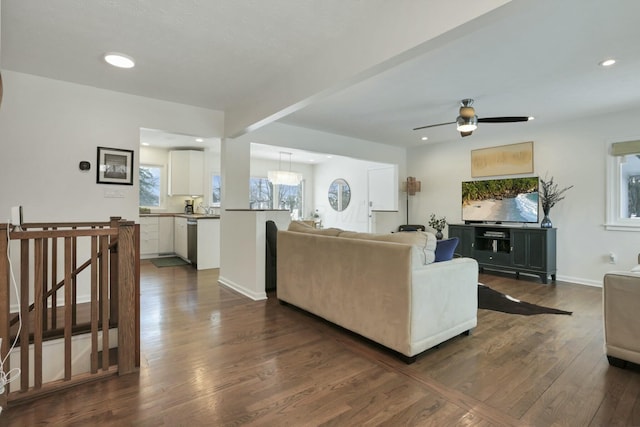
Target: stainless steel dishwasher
(192, 241)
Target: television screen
(500, 200)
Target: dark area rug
(171, 261)
(490, 299)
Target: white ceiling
(527, 58)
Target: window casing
(623, 186)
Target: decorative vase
(439, 234)
(546, 222)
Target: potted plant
(549, 196)
(438, 224)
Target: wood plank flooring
(211, 357)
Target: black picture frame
(115, 166)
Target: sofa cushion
(301, 227)
(445, 249)
(423, 243)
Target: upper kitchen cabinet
(186, 173)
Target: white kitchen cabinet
(180, 243)
(148, 236)
(165, 235)
(208, 243)
(186, 173)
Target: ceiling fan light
(467, 124)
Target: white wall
(356, 216)
(574, 153)
(47, 127)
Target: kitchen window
(150, 182)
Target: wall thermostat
(84, 166)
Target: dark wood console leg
(553, 277)
(517, 275)
(545, 278)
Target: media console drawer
(493, 258)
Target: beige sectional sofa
(621, 302)
(384, 287)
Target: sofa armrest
(444, 297)
(621, 299)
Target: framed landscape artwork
(115, 166)
(510, 159)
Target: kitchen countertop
(182, 215)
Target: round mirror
(339, 194)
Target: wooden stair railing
(113, 271)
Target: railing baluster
(54, 280)
(38, 277)
(67, 308)
(94, 304)
(45, 282)
(24, 314)
(104, 299)
(74, 280)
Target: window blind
(624, 148)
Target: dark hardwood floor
(212, 357)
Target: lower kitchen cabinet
(180, 239)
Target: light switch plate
(112, 193)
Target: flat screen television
(500, 200)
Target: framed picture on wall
(115, 166)
(503, 160)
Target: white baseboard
(256, 296)
(580, 281)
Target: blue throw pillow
(445, 248)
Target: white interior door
(383, 190)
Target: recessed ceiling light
(145, 143)
(424, 138)
(607, 62)
(199, 140)
(531, 118)
(119, 60)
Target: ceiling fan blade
(509, 119)
(431, 126)
(463, 134)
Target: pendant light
(283, 177)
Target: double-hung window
(623, 186)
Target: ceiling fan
(467, 121)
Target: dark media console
(519, 249)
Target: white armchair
(621, 302)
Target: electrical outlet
(612, 258)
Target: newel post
(4, 304)
(127, 310)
